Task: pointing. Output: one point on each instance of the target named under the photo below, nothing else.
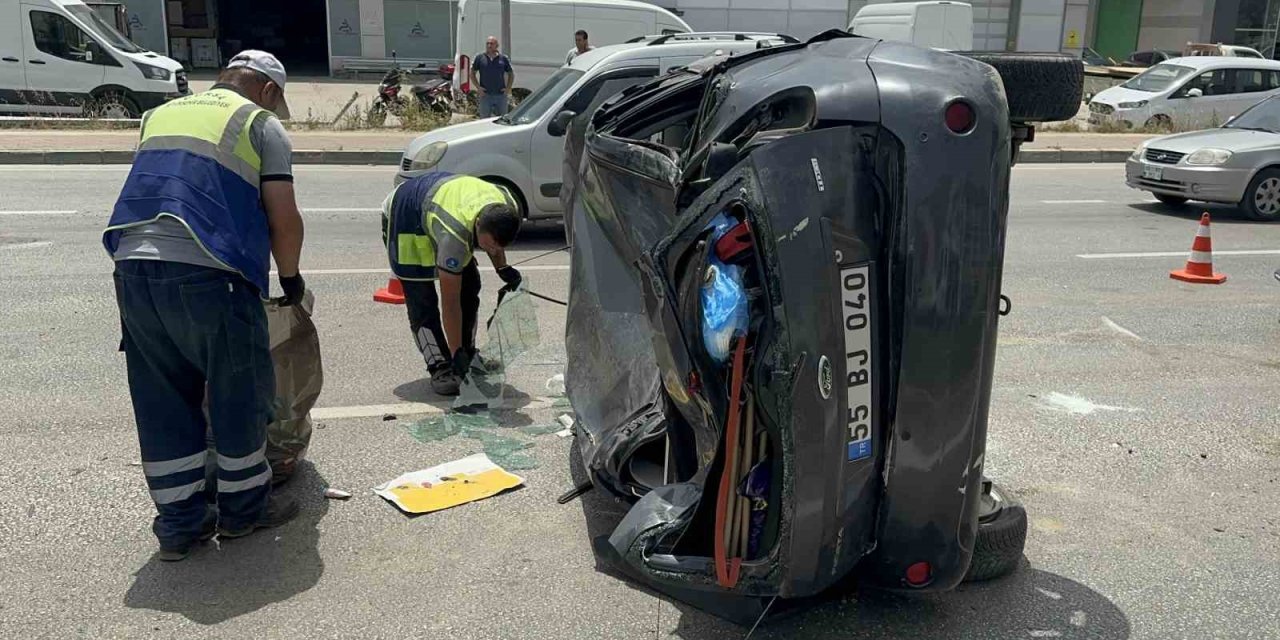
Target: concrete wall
(147, 25)
(1171, 24)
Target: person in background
(207, 203)
(493, 78)
(580, 46)
(431, 226)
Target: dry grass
(1117, 126)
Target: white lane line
(26, 245)
(39, 213)
(1172, 254)
(1074, 201)
(1119, 329)
(341, 210)
(402, 409)
(348, 272)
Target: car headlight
(153, 73)
(1132, 105)
(1137, 153)
(429, 156)
(1209, 157)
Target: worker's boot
(175, 553)
(279, 511)
(445, 382)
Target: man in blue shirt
(493, 78)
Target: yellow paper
(448, 485)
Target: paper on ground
(448, 485)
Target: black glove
(461, 363)
(293, 288)
(511, 276)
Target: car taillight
(919, 574)
(960, 117)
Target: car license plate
(855, 284)
(1152, 173)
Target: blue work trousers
(191, 332)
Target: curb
(300, 157)
(392, 158)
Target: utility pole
(506, 27)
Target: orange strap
(727, 569)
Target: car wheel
(1262, 199)
(1161, 122)
(1044, 87)
(515, 191)
(1002, 535)
(113, 104)
(1173, 201)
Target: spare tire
(1001, 537)
(1040, 87)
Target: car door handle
(36, 61)
(7, 59)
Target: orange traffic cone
(393, 293)
(1199, 269)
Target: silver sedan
(1237, 163)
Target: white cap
(266, 64)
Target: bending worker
(208, 200)
(431, 226)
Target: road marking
(38, 213)
(1179, 254)
(1119, 329)
(1077, 405)
(1074, 201)
(26, 245)
(348, 272)
(403, 409)
(341, 210)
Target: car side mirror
(560, 124)
(1194, 93)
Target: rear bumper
(1208, 184)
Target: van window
(1256, 80)
(57, 36)
(1211, 83)
(540, 101)
(1158, 78)
(103, 29)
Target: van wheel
(1040, 87)
(1160, 122)
(1002, 535)
(113, 104)
(515, 191)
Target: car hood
(1116, 95)
(463, 131)
(1236, 140)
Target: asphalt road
(1134, 415)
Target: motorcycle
(434, 95)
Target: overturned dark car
(783, 314)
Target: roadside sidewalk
(43, 146)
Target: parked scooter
(435, 95)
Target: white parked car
(524, 150)
(1190, 91)
(61, 57)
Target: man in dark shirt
(493, 78)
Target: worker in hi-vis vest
(431, 226)
(207, 203)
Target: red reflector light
(959, 117)
(919, 574)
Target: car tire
(1002, 535)
(1040, 87)
(1159, 122)
(1261, 199)
(1173, 201)
(113, 104)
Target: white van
(1195, 91)
(542, 32)
(939, 24)
(61, 57)
(524, 150)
